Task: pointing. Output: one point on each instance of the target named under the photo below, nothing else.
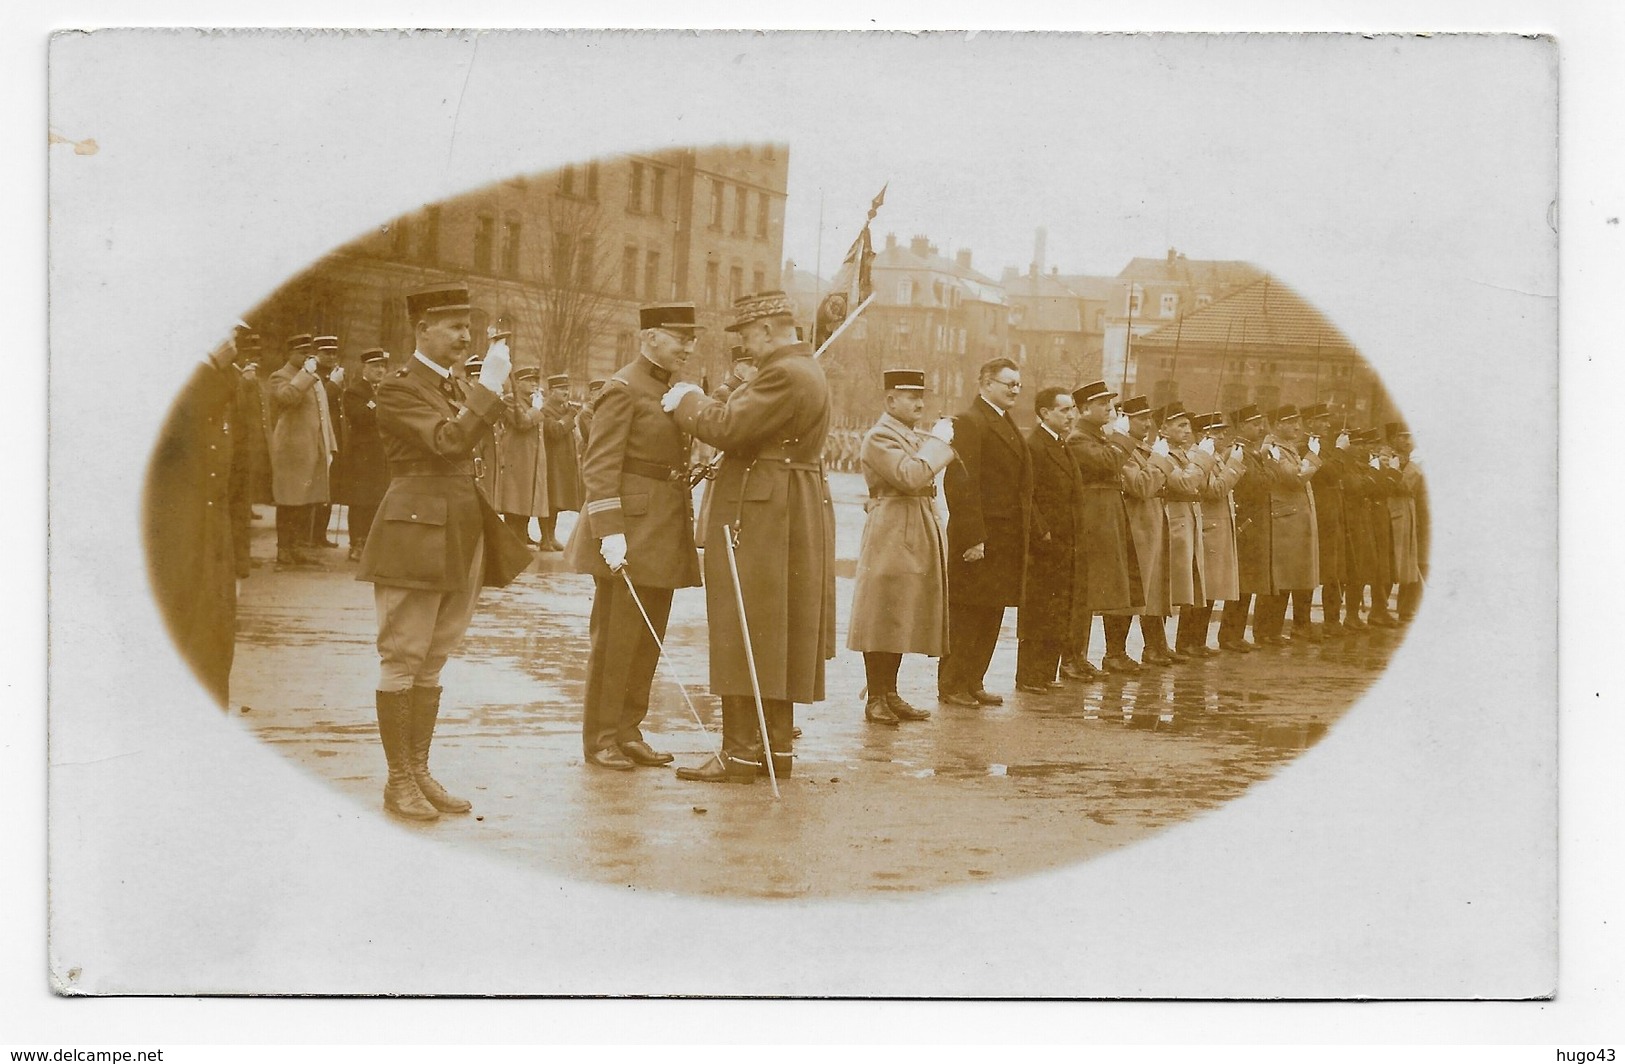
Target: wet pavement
(968, 796)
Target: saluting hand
(1342, 443)
(1161, 446)
(1314, 445)
(944, 430)
(976, 553)
(337, 376)
(536, 400)
(498, 364)
(1207, 446)
(310, 366)
(1375, 463)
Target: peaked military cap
(1134, 405)
(1090, 392)
(374, 354)
(527, 373)
(912, 380)
(1310, 413)
(752, 308)
(437, 299)
(326, 343)
(675, 316)
(1212, 420)
(1250, 412)
(559, 380)
(298, 341)
(1173, 412)
(1285, 413)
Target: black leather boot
(425, 711)
(741, 747)
(401, 794)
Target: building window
(764, 204)
(629, 271)
(567, 181)
(1170, 304)
(429, 241)
(511, 231)
(716, 204)
(1203, 300)
(485, 234)
(657, 192)
(741, 210)
(1136, 301)
(713, 284)
(1100, 320)
(758, 280)
(651, 276)
(962, 339)
(592, 181)
(634, 190)
(736, 282)
(905, 291)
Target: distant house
(1148, 293)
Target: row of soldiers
(309, 440)
(843, 450)
(1122, 511)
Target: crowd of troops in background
(1102, 508)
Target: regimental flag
(852, 282)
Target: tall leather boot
(401, 794)
(780, 721)
(425, 711)
(741, 747)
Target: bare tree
(573, 298)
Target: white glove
(1314, 445)
(1275, 453)
(536, 400)
(1118, 425)
(1304, 468)
(1207, 446)
(1342, 441)
(613, 548)
(944, 430)
(669, 401)
(1393, 461)
(1160, 447)
(310, 365)
(1375, 463)
(337, 376)
(498, 364)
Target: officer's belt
(782, 459)
(431, 467)
(652, 470)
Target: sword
(728, 537)
(639, 603)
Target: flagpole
(818, 265)
(850, 318)
(1128, 340)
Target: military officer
(1111, 571)
(1330, 523)
(989, 492)
(303, 442)
(771, 497)
(485, 452)
(636, 528)
(1222, 468)
(584, 415)
(1048, 623)
(1252, 498)
(332, 375)
(522, 456)
(1182, 506)
(563, 462)
(1294, 550)
(1408, 515)
(251, 453)
(436, 539)
(900, 594)
(366, 471)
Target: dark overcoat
(989, 492)
(771, 485)
(365, 469)
(251, 433)
(900, 593)
(1111, 571)
(1145, 475)
(624, 494)
(1253, 525)
(1329, 516)
(188, 525)
(1049, 598)
(433, 516)
(563, 459)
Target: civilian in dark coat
(188, 522)
(1048, 622)
(989, 492)
(1329, 516)
(1253, 524)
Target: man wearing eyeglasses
(989, 492)
(637, 518)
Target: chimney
(962, 258)
(1171, 256)
(920, 246)
(891, 241)
(1010, 274)
(1040, 237)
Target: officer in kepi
(635, 537)
(436, 539)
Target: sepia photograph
(793, 514)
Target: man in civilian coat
(563, 457)
(522, 456)
(436, 540)
(1048, 622)
(638, 520)
(1110, 570)
(900, 593)
(771, 497)
(1221, 469)
(366, 471)
(989, 493)
(1294, 547)
(303, 442)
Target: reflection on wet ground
(1041, 781)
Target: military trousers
(621, 661)
(418, 630)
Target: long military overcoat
(1402, 522)
(1221, 579)
(1111, 570)
(303, 439)
(1049, 599)
(624, 495)
(1144, 476)
(1253, 525)
(900, 595)
(365, 469)
(252, 439)
(989, 493)
(771, 485)
(1294, 534)
(1330, 522)
(563, 459)
(522, 463)
(1182, 503)
(433, 516)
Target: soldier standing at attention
(332, 375)
(366, 471)
(302, 447)
(1111, 570)
(522, 456)
(563, 463)
(638, 520)
(436, 540)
